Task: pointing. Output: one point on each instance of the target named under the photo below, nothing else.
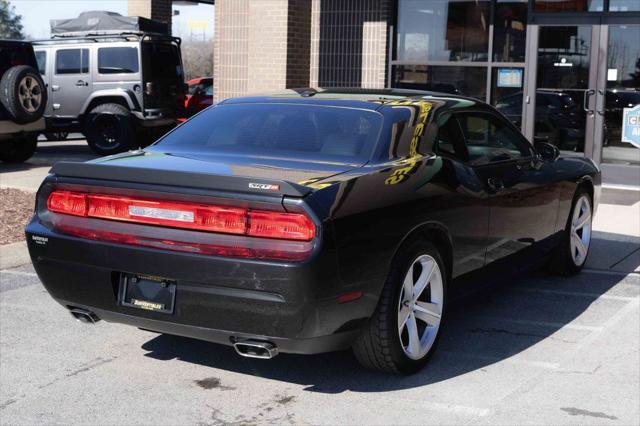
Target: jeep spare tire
(23, 94)
(109, 129)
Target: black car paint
(363, 217)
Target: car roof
(13, 43)
(371, 99)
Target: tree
(197, 58)
(10, 22)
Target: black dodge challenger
(311, 221)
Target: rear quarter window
(290, 131)
(118, 60)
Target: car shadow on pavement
(529, 322)
(49, 153)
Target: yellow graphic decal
(311, 183)
(399, 175)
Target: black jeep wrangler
(23, 98)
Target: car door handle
(495, 185)
(55, 88)
(81, 83)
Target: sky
(37, 13)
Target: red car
(199, 96)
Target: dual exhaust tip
(84, 315)
(249, 348)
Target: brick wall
(231, 49)
(270, 45)
(349, 42)
(160, 10)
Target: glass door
(580, 80)
(621, 88)
(565, 83)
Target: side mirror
(547, 151)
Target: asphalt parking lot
(541, 350)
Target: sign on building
(631, 125)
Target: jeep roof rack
(106, 37)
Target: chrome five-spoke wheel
(580, 236)
(420, 307)
(30, 94)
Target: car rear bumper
(293, 305)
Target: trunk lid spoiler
(179, 178)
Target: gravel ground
(17, 208)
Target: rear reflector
(174, 214)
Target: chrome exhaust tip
(84, 316)
(255, 349)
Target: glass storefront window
(569, 5)
(443, 30)
(506, 92)
(467, 81)
(623, 91)
(510, 30)
(563, 77)
(624, 5)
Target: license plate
(147, 292)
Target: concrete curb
(15, 254)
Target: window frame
(521, 140)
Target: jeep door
(71, 82)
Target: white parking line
(21, 273)
(576, 293)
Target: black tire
(109, 129)
(563, 262)
(56, 136)
(19, 149)
(379, 346)
(23, 94)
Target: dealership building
(562, 70)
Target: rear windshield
(290, 131)
(161, 61)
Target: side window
(118, 60)
(490, 140)
(41, 59)
(449, 141)
(72, 61)
(209, 90)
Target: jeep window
(118, 60)
(41, 58)
(72, 61)
(161, 61)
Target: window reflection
(443, 30)
(569, 5)
(510, 30)
(624, 5)
(467, 81)
(623, 91)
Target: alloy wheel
(30, 94)
(580, 230)
(420, 307)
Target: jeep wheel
(18, 149)
(109, 129)
(23, 94)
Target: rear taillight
(173, 214)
